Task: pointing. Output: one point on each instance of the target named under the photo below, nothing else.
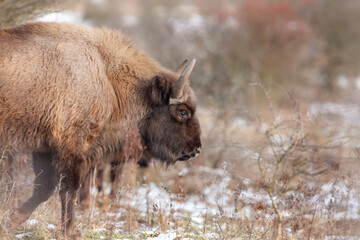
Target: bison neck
(129, 71)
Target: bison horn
(177, 89)
(182, 66)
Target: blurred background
(278, 85)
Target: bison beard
(69, 96)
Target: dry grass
(286, 169)
(285, 180)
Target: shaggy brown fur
(69, 94)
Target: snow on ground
(23, 235)
(216, 199)
(349, 113)
(166, 236)
(65, 16)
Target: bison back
(54, 90)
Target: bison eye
(183, 113)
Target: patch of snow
(198, 220)
(278, 139)
(357, 82)
(250, 196)
(117, 215)
(264, 127)
(211, 235)
(99, 230)
(216, 171)
(106, 188)
(245, 212)
(65, 16)
(51, 226)
(130, 20)
(21, 235)
(240, 123)
(164, 236)
(327, 187)
(343, 82)
(98, 2)
(255, 156)
(246, 181)
(184, 171)
(94, 191)
(195, 22)
(149, 232)
(119, 230)
(348, 113)
(32, 222)
(341, 237)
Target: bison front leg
(68, 198)
(70, 178)
(44, 186)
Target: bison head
(171, 131)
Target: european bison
(69, 94)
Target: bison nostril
(197, 150)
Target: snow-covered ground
(336, 200)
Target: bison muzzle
(69, 94)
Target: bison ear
(160, 91)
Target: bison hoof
(85, 204)
(16, 219)
(75, 236)
(74, 233)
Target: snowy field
(231, 200)
(221, 210)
